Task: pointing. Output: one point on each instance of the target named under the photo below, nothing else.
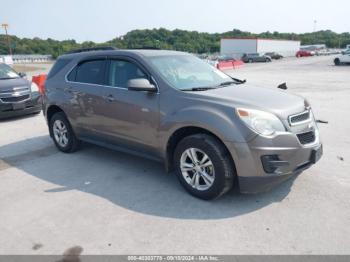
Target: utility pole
(315, 23)
(5, 26)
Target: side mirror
(21, 74)
(141, 84)
(282, 86)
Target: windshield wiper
(238, 81)
(227, 83)
(5, 78)
(198, 89)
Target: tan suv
(173, 107)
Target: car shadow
(17, 118)
(128, 181)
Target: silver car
(215, 131)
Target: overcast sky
(101, 20)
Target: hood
(275, 101)
(10, 84)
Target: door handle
(110, 98)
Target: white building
(6, 59)
(22, 59)
(236, 47)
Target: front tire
(204, 166)
(337, 61)
(63, 134)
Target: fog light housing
(272, 162)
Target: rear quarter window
(57, 67)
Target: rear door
(85, 90)
(132, 117)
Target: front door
(132, 117)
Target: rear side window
(58, 66)
(91, 72)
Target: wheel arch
(183, 132)
(51, 110)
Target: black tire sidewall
(218, 156)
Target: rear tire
(213, 180)
(62, 133)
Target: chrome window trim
(117, 87)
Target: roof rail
(90, 49)
(146, 48)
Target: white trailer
(6, 59)
(236, 47)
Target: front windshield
(7, 72)
(186, 72)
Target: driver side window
(121, 71)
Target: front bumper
(289, 158)
(29, 106)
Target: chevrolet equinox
(18, 96)
(214, 130)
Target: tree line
(181, 40)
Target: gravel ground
(106, 202)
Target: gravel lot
(111, 203)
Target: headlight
(261, 122)
(34, 87)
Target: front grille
(14, 99)
(15, 94)
(307, 138)
(295, 119)
(12, 90)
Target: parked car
(322, 52)
(343, 59)
(255, 57)
(226, 58)
(274, 55)
(302, 53)
(175, 108)
(345, 51)
(213, 63)
(18, 96)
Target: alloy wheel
(60, 133)
(197, 169)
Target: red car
(302, 53)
